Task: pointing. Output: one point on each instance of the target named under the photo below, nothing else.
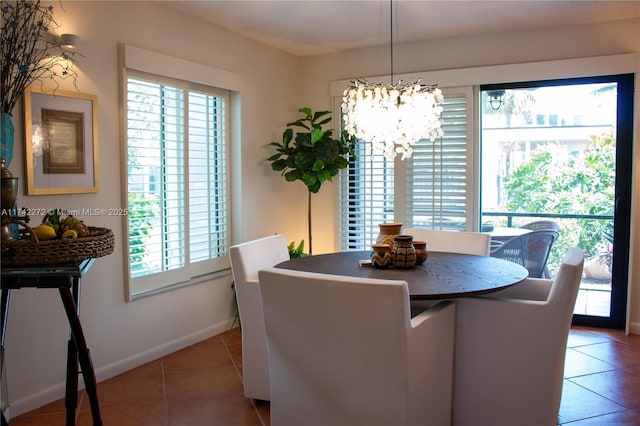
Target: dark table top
(442, 276)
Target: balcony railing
(511, 215)
(594, 296)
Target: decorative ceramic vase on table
(403, 255)
(388, 231)
(381, 257)
(421, 251)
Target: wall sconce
(68, 41)
(496, 97)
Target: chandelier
(393, 117)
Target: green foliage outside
(556, 182)
(142, 210)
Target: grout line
(233, 361)
(598, 393)
(165, 400)
(577, 421)
(80, 402)
(235, 365)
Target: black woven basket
(31, 251)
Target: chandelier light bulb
(393, 118)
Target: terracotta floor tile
(620, 386)
(619, 335)
(583, 336)
(202, 385)
(129, 390)
(264, 410)
(236, 354)
(55, 407)
(202, 355)
(233, 336)
(614, 352)
(621, 418)
(201, 411)
(150, 368)
(39, 420)
(128, 415)
(578, 364)
(208, 383)
(634, 369)
(579, 403)
(631, 339)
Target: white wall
(121, 334)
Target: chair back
(249, 257)
(510, 351)
(339, 350)
(541, 225)
(452, 241)
(530, 250)
(246, 260)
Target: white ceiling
(309, 27)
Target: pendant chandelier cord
(392, 116)
(391, 19)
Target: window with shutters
(176, 166)
(430, 190)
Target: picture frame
(61, 141)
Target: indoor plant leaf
(312, 156)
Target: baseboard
(634, 328)
(56, 392)
(126, 364)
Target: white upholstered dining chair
(345, 351)
(510, 349)
(475, 243)
(246, 260)
(452, 241)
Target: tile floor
(201, 386)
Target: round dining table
(441, 276)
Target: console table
(66, 278)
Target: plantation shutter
(208, 201)
(155, 162)
(436, 178)
(366, 198)
(429, 190)
(176, 181)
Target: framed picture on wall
(61, 136)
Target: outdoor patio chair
(542, 225)
(530, 250)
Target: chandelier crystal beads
(392, 117)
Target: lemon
(70, 233)
(45, 232)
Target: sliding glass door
(561, 151)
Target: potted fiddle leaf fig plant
(313, 156)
